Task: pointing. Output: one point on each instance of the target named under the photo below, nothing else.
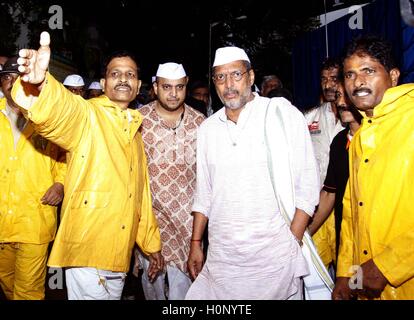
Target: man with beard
(378, 224)
(107, 206)
(253, 253)
(169, 131)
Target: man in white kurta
(252, 253)
(323, 121)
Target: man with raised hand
(108, 201)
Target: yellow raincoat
(26, 173)
(107, 204)
(378, 214)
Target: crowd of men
(141, 180)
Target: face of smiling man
(366, 81)
(121, 83)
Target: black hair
(373, 46)
(330, 63)
(118, 54)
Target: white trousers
(176, 289)
(94, 284)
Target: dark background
(162, 31)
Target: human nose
(173, 92)
(359, 81)
(228, 80)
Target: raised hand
(34, 64)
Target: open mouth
(361, 93)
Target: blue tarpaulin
(381, 17)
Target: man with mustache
(324, 124)
(169, 131)
(253, 253)
(323, 121)
(376, 254)
(336, 179)
(107, 204)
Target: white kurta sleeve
(304, 167)
(202, 197)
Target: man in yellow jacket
(107, 205)
(376, 251)
(31, 184)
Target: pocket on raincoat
(87, 217)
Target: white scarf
(318, 284)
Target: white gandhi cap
(73, 80)
(95, 85)
(171, 70)
(229, 54)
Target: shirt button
(365, 252)
(130, 195)
(370, 121)
(86, 202)
(361, 204)
(123, 227)
(366, 160)
(125, 130)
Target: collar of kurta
(154, 114)
(387, 104)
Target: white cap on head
(229, 54)
(171, 70)
(73, 80)
(95, 85)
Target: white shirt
(323, 126)
(249, 240)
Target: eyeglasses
(235, 75)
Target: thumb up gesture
(34, 64)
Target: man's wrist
(300, 242)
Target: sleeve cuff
(201, 209)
